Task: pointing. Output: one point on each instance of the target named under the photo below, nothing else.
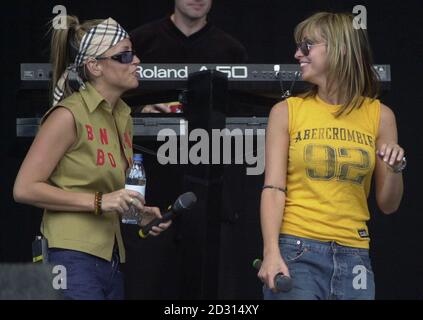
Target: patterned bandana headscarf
(94, 43)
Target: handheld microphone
(184, 202)
(282, 282)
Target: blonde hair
(64, 48)
(351, 76)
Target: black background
(265, 28)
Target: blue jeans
(324, 270)
(89, 277)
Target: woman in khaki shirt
(75, 168)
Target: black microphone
(282, 282)
(184, 202)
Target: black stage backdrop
(265, 27)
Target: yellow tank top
(93, 163)
(330, 166)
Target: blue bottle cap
(138, 157)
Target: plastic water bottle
(135, 180)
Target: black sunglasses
(306, 45)
(121, 57)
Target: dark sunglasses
(121, 57)
(306, 45)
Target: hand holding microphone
(282, 282)
(150, 214)
(184, 202)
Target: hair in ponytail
(64, 48)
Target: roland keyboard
(150, 127)
(254, 78)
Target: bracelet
(399, 167)
(268, 186)
(97, 203)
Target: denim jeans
(89, 277)
(324, 270)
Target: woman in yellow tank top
(321, 151)
(75, 168)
